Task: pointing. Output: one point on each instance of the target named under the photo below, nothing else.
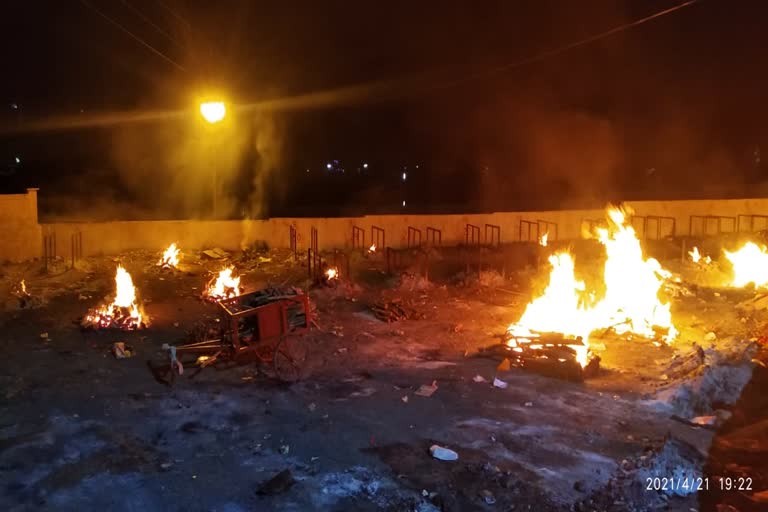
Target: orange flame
(123, 312)
(750, 265)
(331, 274)
(225, 286)
(543, 239)
(630, 303)
(372, 248)
(170, 257)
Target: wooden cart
(265, 324)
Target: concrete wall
(116, 237)
(20, 234)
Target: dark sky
(657, 110)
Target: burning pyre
(170, 258)
(630, 303)
(123, 312)
(750, 265)
(223, 286)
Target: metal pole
(215, 209)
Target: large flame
(630, 303)
(224, 286)
(170, 257)
(123, 312)
(750, 265)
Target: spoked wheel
(290, 358)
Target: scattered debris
(442, 453)
(498, 383)
(121, 350)
(479, 379)
(427, 390)
(490, 278)
(216, 254)
(278, 484)
(488, 497)
(414, 282)
(284, 449)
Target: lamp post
(213, 112)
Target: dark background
(673, 108)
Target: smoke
(173, 169)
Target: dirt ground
(82, 430)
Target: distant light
(213, 111)
(405, 176)
(328, 165)
(18, 160)
(365, 166)
(403, 203)
(417, 166)
(307, 170)
(14, 106)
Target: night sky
(673, 108)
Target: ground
(82, 430)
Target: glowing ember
(331, 274)
(750, 265)
(630, 303)
(123, 312)
(223, 286)
(170, 257)
(543, 239)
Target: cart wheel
(290, 358)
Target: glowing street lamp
(213, 111)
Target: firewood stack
(550, 354)
(392, 311)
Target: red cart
(265, 324)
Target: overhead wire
(134, 36)
(152, 24)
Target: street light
(213, 111)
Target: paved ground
(81, 430)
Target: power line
(148, 21)
(556, 51)
(134, 36)
(174, 13)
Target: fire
(24, 287)
(123, 312)
(696, 256)
(630, 303)
(750, 265)
(372, 248)
(331, 274)
(543, 239)
(170, 257)
(224, 286)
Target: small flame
(372, 248)
(170, 257)
(123, 312)
(750, 265)
(225, 286)
(697, 258)
(331, 274)
(24, 287)
(543, 239)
